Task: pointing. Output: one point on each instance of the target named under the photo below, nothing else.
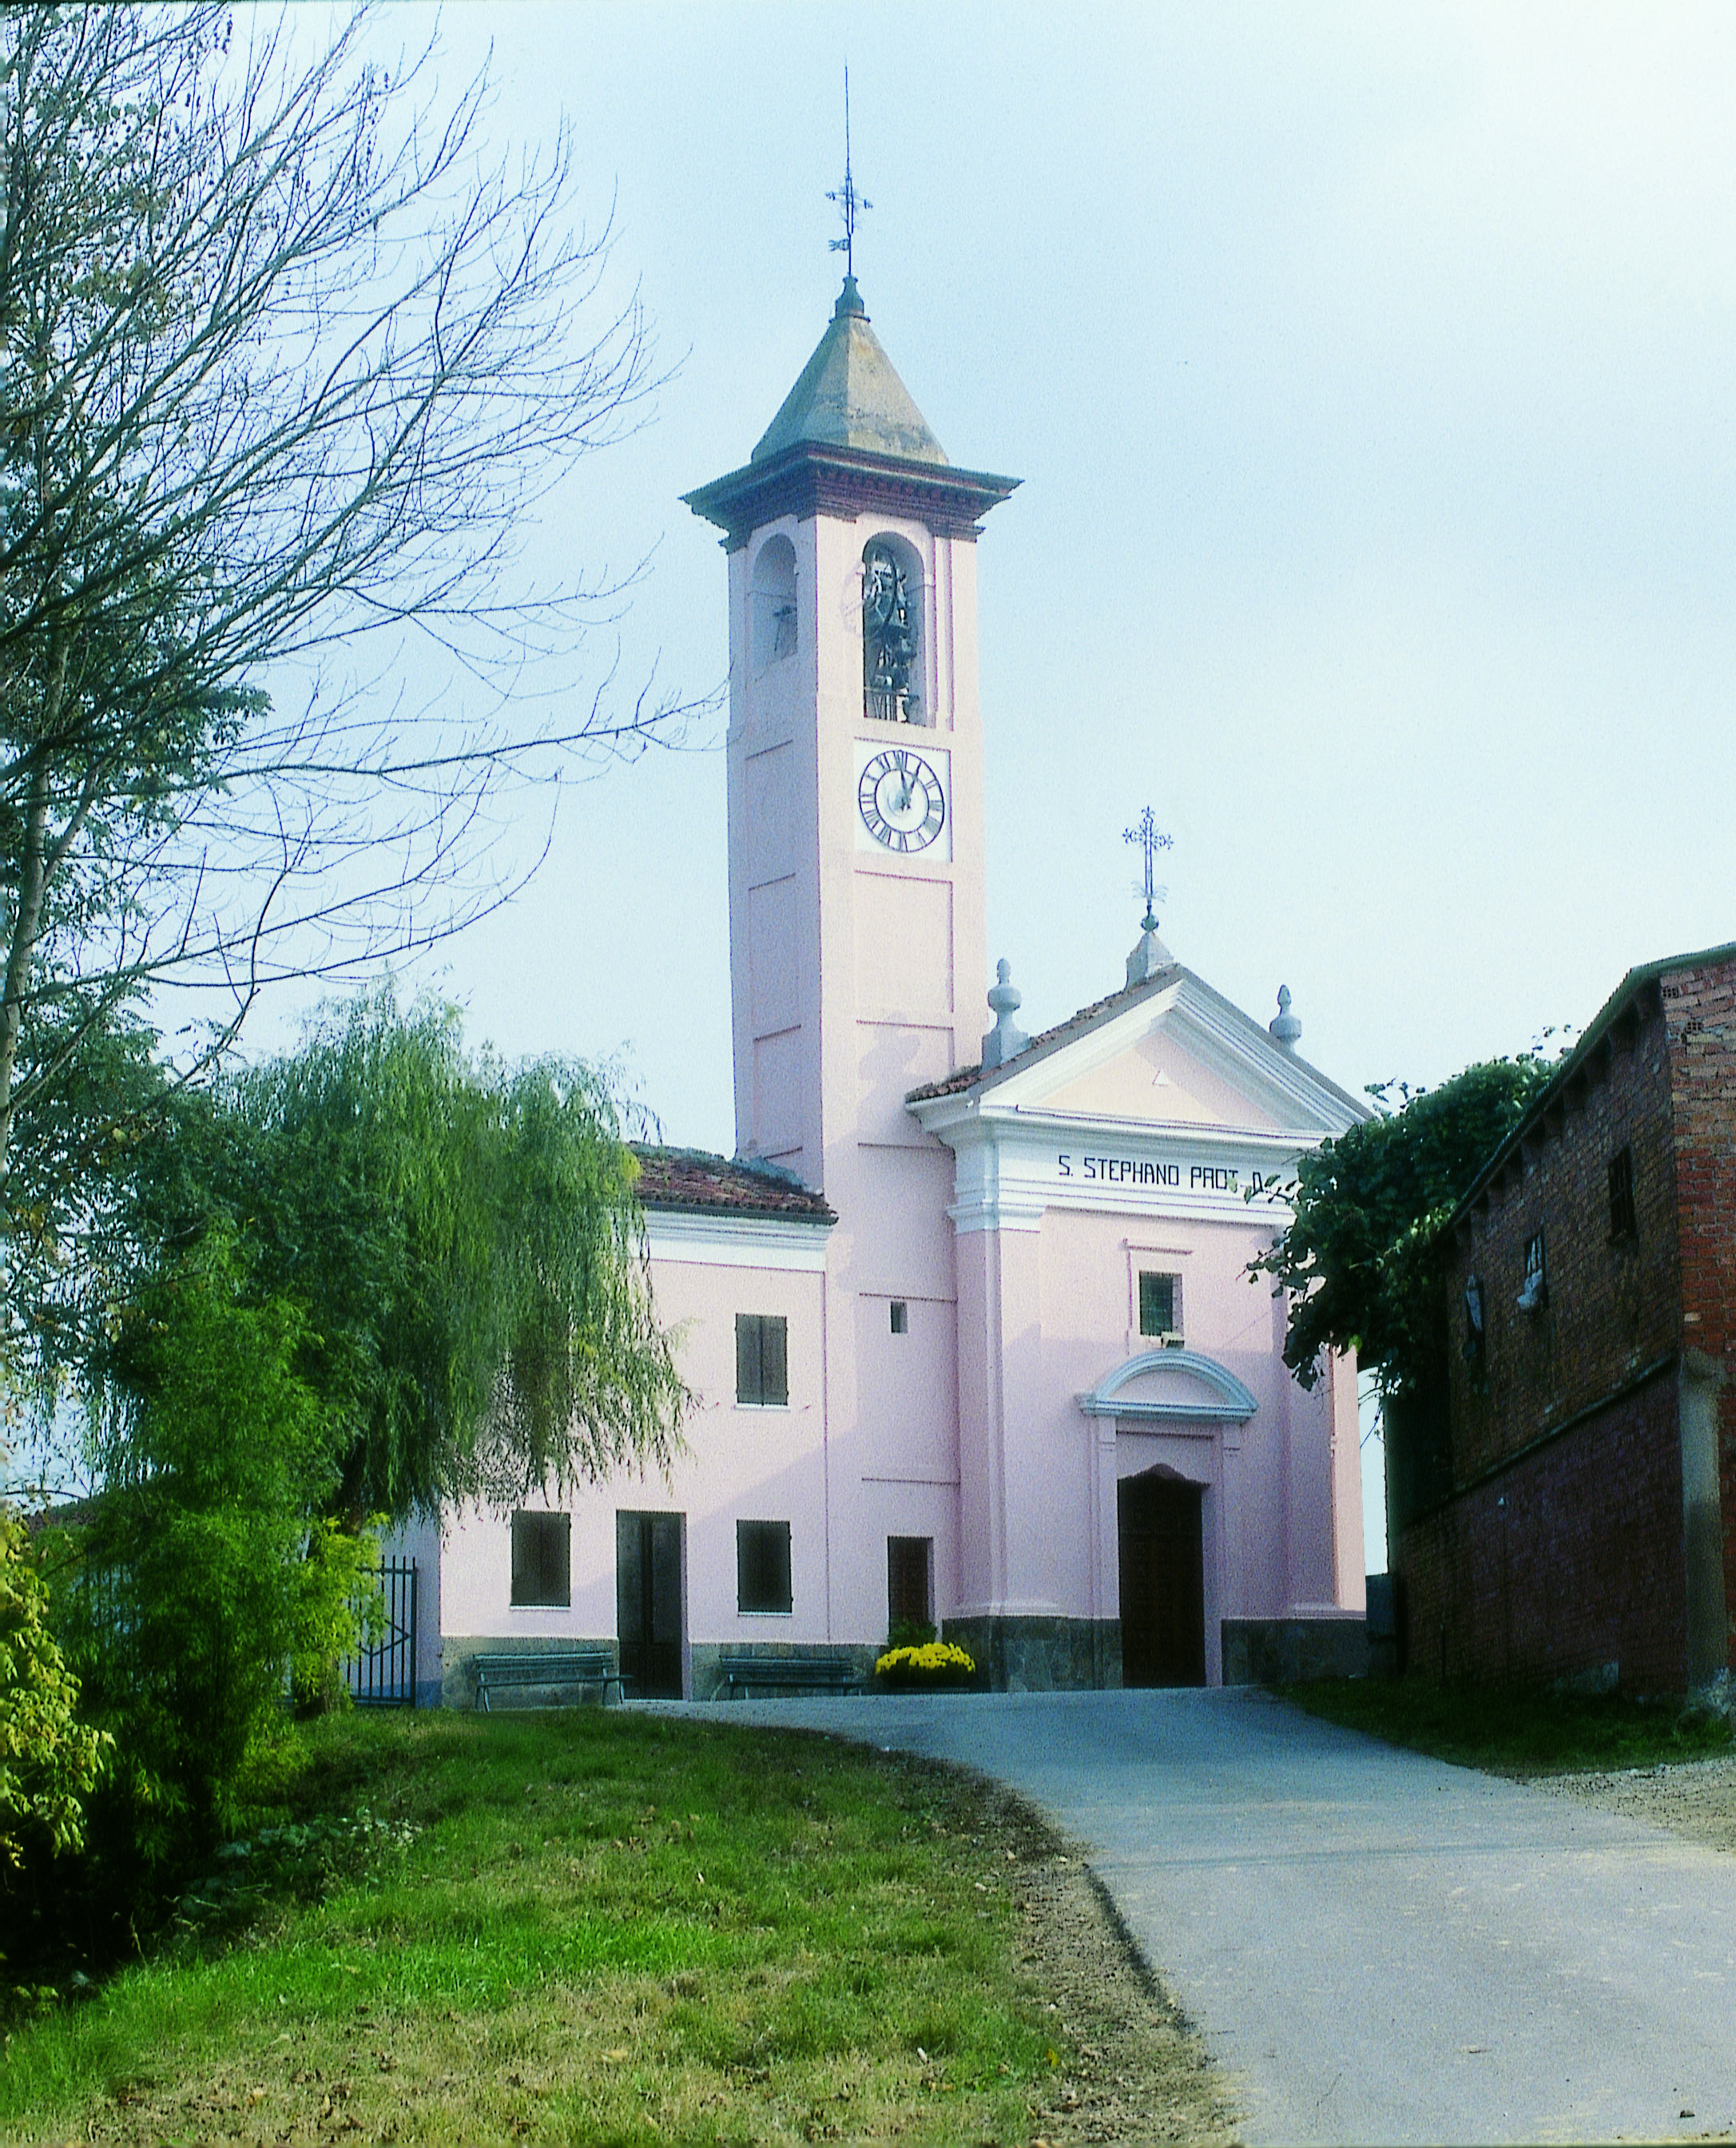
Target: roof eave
(1065, 1036)
(1636, 981)
(807, 479)
(797, 1219)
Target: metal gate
(384, 1676)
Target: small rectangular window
(762, 1566)
(910, 1584)
(762, 1357)
(1624, 1223)
(542, 1560)
(1158, 1304)
(900, 1317)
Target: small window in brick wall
(762, 1566)
(1535, 1294)
(542, 1560)
(762, 1357)
(1623, 1224)
(1474, 1321)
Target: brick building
(1566, 1505)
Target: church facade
(967, 1315)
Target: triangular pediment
(1179, 1055)
(1157, 1076)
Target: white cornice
(1019, 1121)
(1011, 1169)
(736, 1241)
(993, 1210)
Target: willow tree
(286, 360)
(464, 1240)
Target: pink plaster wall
(858, 978)
(757, 1464)
(1283, 1493)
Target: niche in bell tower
(891, 633)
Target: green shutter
(774, 1360)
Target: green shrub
(202, 1585)
(49, 1760)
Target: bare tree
(284, 363)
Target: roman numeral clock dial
(902, 799)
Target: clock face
(902, 800)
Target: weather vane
(850, 203)
(1151, 839)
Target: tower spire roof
(848, 395)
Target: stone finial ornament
(1005, 1041)
(1148, 958)
(1285, 1027)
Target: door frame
(679, 1519)
(1161, 1473)
(1195, 1454)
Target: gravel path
(1378, 1946)
(1694, 1799)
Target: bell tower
(857, 935)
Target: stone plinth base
(706, 1677)
(1041, 1655)
(457, 1671)
(1276, 1651)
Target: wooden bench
(545, 1666)
(788, 1674)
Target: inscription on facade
(1143, 1170)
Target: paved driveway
(1382, 1947)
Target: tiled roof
(966, 1078)
(691, 1180)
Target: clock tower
(857, 933)
(856, 924)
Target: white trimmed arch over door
(1181, 1412)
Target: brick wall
(1699, 1014)
(1566, 1561)
(1563, 1547)
(1612, 1305)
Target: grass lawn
(607, 1926)
(1511, 1731)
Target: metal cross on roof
(1151, 839)
(850, 203)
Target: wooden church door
(648, 1604)
(1163, 1593)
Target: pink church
(968, 1314)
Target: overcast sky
(1369, 374)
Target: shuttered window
(762, 1566)
(762, 1357)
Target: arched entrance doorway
(1162, 1580)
